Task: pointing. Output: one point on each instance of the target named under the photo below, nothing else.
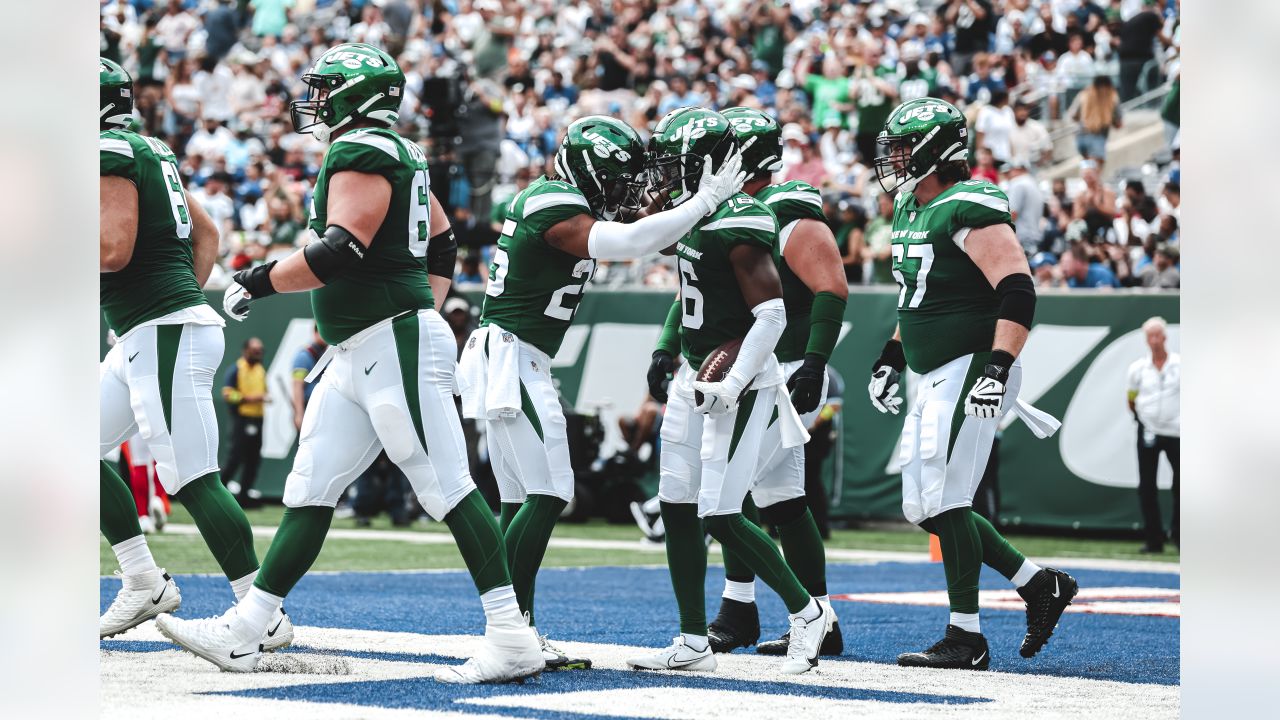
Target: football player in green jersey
(965, 307)
(815, 294)
(157, 247)
(381, 261)
(712, 432)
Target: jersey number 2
(923, 253)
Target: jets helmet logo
(695, 128)
(352, 60)
(747, 124)
(925, 112)
(604, 147)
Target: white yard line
(644, 546)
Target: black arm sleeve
(337, 252)
(1017, 299)
(442, 254)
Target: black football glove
(659, 375)
(805, 384)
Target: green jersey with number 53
(946, 307)
(160, 277)
(713, 310)
(534, 288)
(392, 278)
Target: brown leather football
(715, 367)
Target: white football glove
(883, 390)
(235, 302)
(985, 398)
(717, 398)
(715, 188)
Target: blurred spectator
(994, 126)
(851, 224)
(1154, 392)
(175, 27)
(982, 83)
(800, 160)
(221, 28)
(1076, 67)
(1136, 49)
(1161, 272)
(1029, 140)
(1044, 266)
(973, 20)
(1097, 109)
(214, 196)
(245, 390)
(985, 167)
(879, 236)
(303, 363)
(1026, 205)
(876, 88)
(1096, 203)
(1082, 270)
(270, 16)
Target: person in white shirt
(1154, 386)
(1029, 140)
(994, 125)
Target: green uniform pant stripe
(167, 339)
(976, 366)
(117, 513)
(526, 406)
(740, 421)
(405, 331)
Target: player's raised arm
(997, 253)
(204, 241)
(442, 253)
(118, 222)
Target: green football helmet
(115, 89)
(348, 82)
(920, 136)
(759, 140)
(676, 150)
(604, 158)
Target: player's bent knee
(784, 512)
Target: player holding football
(554, 232)
(381, 260)
(815, 294)
(157, 247)
(713, 430)
(964, 311)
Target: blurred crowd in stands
(1048, 87)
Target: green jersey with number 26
(534, 289)
(946, 307)
(160, 277)
(392, 278)
(713, 310)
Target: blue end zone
(634, 606)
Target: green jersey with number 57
(946, 307)
(713, 310)
(534, 288)
(160, 277)
(392, 277)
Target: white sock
(256, 609)
(1025, 573)
(824, 599)
(740, 591)
(810, 611)
(501, 608)
(696, 642)
(241, 586)
(966, 621)
(134, 556)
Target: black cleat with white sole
(832, 644)
(1047, 595)
(737, 625)
(958, 650)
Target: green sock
(735, 568)
(117, 513)
(805, 553)
(687, 561)
(961, 557)
(526, 538)
(507, 514)
(754, 546)
(222, 524)
(480, 542)
(294, 549)
(996, 551)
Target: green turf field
(187, 553)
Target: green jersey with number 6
(392, 277)
(160, 277)
(534, 289)
(713, 310)
(790, 202)
(946, 307)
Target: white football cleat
(678, 656)
(217, 640)
(279, 634)
(806, 641)
(509, 654)
(142, 596)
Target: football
(716, 366)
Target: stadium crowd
(492, 84)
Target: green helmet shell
(759, 140)
(348, 82)
(677, 147)
(604, 158)
(920, 135)
(115, 89)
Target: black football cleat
(958, 650)
(832, 644)
(1047, 594)
(736, 625)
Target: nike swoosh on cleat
(1055, 587)
(978, 659)
(272, 631)
(234, 656)
(156, 600)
